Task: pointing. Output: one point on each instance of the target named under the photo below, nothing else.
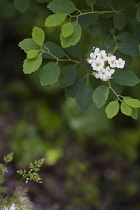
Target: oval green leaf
(38, 35)
(28, 44)
(55, 19)
(68, 75)
(74, 38)
(135, 103)
(21, 5)
(126, 78)
(31, 65)
(49, 74)
(90, 2)
(62, 6)
(32, 54)
(67, 29)
(129, 47)
(119, 21)
(100, 95)
(112, 109)
(125, 109)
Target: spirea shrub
(112, 27)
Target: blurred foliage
(100, 157)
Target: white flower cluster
(103, 64)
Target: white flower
(102, 57)
(89, 60)
(109, 71)
(102, 75)
(111, 57)
(97, 51)
(98, 64)
(120, 63)
(112, 63)
(96, 75)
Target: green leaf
(82, 92)
(129, 47)
(28, 44)
(74, 38)
(55, 49)
(55, 19)
(32, 65)
(84, 96)
(112, 109)
(21, 5)
(68, 75)
(87, 20)
(138, 13)
(49, 74)
(38, 35)
(119, 21)
(32, 54)
(67, 29)
(125, 109)
(8, 158)
(95, 31)
(62, 6)
(134, 113)
(105, 3)
(123, 36)
(135, 103)
(91, 3)
(108, 45)
(126, 78)
(100, 95)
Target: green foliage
(49, 73)
(32, 174)
(100, 95)
(135, 103)
(28, 44)
(31, 65)
(21, 6)
(119, 21)
(71, 40)
(112, 109)
(103, 24)
(32, 54)
(129, 47)
(55, 19)
(38, 35)
(126, 78)
(67, 29)
(54, 49)
(18, 200)
(62, 6)
(125, 109)
(68, 75)
(9, 157)
(91, 2)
